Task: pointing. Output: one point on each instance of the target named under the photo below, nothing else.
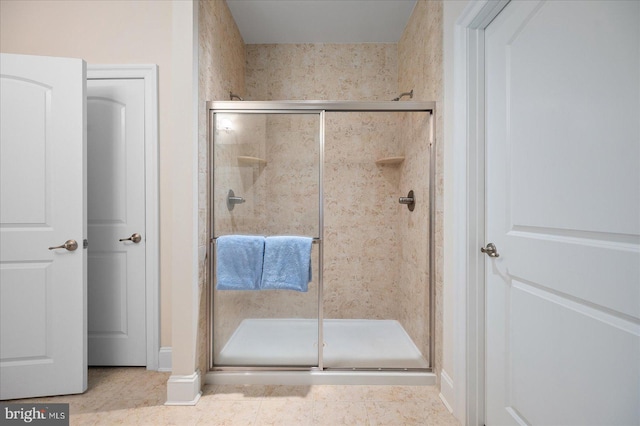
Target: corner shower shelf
(251, 160)
(390, 160)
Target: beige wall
(184, 248)
(108, 32)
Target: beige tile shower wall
(291, 177)
(246, 137)
(221, 70)
(362, 248)
(365, 72)
(420, 68)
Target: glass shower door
(376, 281)
(266, 182)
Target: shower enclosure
(340, 173)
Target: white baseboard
(164, 359)
(183, 390)
(446, 390)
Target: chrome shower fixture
(232, 200)
(409, 200)
(409, 94)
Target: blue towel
(239, 262)
(287, 263)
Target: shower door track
(248, 368)
(318, 106)
(321, 107)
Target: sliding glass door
(266, 182)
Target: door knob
(136, 238)
(69, 245)
(491, 250)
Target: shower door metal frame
(320, 108)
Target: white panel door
(116, 203)
(43, 323)
(563, 209)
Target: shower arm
(409, 94)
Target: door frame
(149, 74)
(469, 208)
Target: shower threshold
(355, 352)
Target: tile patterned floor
(135, 396)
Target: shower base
(349, 345)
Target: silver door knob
(136, 238)
(69, 245)
(491, 250)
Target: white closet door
(116, 200)
(563, 209)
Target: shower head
(410, 94)
(233, 96)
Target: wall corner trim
(184, 390)
(164, 359)
(469, 208)
(446, 391)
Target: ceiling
(321, 21)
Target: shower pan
(336, 172)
